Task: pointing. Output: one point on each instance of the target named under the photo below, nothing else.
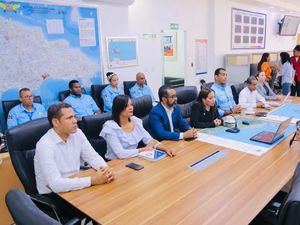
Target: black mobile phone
(245, 123)
(134, 166)
(261, 114)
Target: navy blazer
(159, 123)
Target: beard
(171, 104)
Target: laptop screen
(282, 127)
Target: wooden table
(8, 180)
(231, 191)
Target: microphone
(298, 129)
(235, 129)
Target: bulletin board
(248, 29)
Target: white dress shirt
(56, 160)
(169, 114)
(248, 99)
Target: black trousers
(295, 89)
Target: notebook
(152, 155)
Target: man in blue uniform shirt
(141, 88)
(26, 111)
(166, 120)
(224, 98)
(82, 104)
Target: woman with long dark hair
(204, 111)
(295, 61)
(264, 65)
(124, 132)
(287, 73)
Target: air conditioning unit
(117, 2)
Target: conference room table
(233, 190)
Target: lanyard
(29, 114)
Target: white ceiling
(291, 7)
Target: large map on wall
(44, 46)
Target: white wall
(222, 32)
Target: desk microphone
(235, 129)
(298, 129)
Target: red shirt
(296, 66)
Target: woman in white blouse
(124, 132)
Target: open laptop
(268, 137)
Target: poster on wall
(248, 29)
(121, 51)
(201, 56)
(170, 46)
(45, 45)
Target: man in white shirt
(249, 97)
(58, 155)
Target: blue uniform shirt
(224, 98)
(19, 114)
(137, 91)
(108, 94)
(83, 105)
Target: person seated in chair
(111, 91)
(26, 111)
(59, 152)
(166, 120)
(224, 98)
(249, 97)
(124, 132)
(263, 87)
(82, 104)
(204, 111)
(58, 156)
(141, 88)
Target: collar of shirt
(220, 86)
(26, 110)
(169, 111)
(56, 138)
(75, 96)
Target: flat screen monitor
(289, 25)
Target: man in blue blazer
(166, 120)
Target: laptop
(268, 137)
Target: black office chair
(186, 96)
(21, 143)
(207, 85)
(236, 89)
(96, 94)
(141, 108)
(127, 86)
(7, 105)
(25, 212)
(91, 127)
(64, 94)
(284, 208)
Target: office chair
(141, 108)
(127, 85)
(64, 94)
(186, 96)
(91, 127)
(284, 208)
(25, 212)
(236, 89)
(21, 142)
(7, 105)
(207, 85)
(96, 94)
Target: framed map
(248, 29)
(121, 51)
(45, 45)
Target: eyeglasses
(173, 97)
(27, 96)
